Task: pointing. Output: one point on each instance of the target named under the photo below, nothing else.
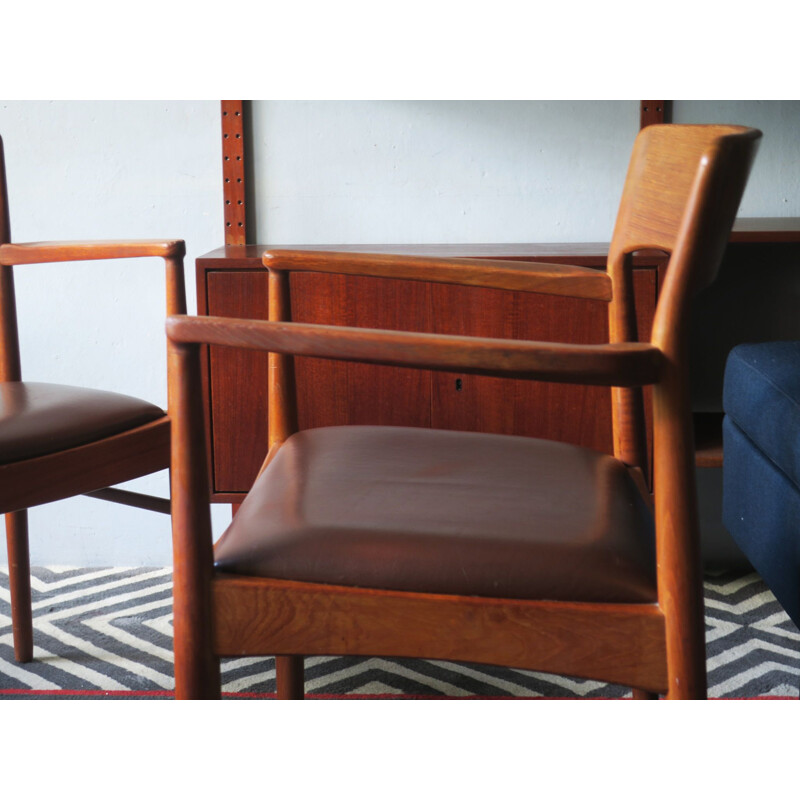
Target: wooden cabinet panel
(574, 414)
(232, 282)
(328, 392)
(339, 393)
(238, 383)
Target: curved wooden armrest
(524, 276)
(49, 252)
(171, 250)
(629, 364)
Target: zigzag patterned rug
(107, 633)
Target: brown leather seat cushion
(446, 512)
(41, 418)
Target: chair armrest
(524, 276)
(627, 364)
(49, 252)
(172, 251)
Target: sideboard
(232, 282)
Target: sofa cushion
(762, 396)
(761, 510)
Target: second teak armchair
(459, 546)
(60, 441)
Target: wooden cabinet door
(575, 414)
(328, 392)
(238, 383)
(338, 393)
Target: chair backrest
(681, 194)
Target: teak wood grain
(84, 469)
(554, 279)
(568, 413)
(654, 112)
(51, 252)
(239, 431)
(615, 364)
(252, 617)
(336, 393)
(360, 393)
(683, 187)
(231, 282)
(233, 171)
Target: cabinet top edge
(589, 254)
(757, 230)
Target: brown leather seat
(41, 418)
(446, 512)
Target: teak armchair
(61, 441)
(507, 550)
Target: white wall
(326, 172)
(773, 189)
(106, 170)
(430, 171)
(402, 171)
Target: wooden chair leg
(686, 652)
(19, 579)
(196, 677)
(289, 677)
(197, 667)
(642, 694)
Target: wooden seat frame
(681, 194)
(91, 468)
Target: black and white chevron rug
(107, 633)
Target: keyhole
(458, 384)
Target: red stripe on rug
(271, 695)
(266, 695)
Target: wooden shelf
(766, 230)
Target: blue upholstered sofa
(761, 473)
